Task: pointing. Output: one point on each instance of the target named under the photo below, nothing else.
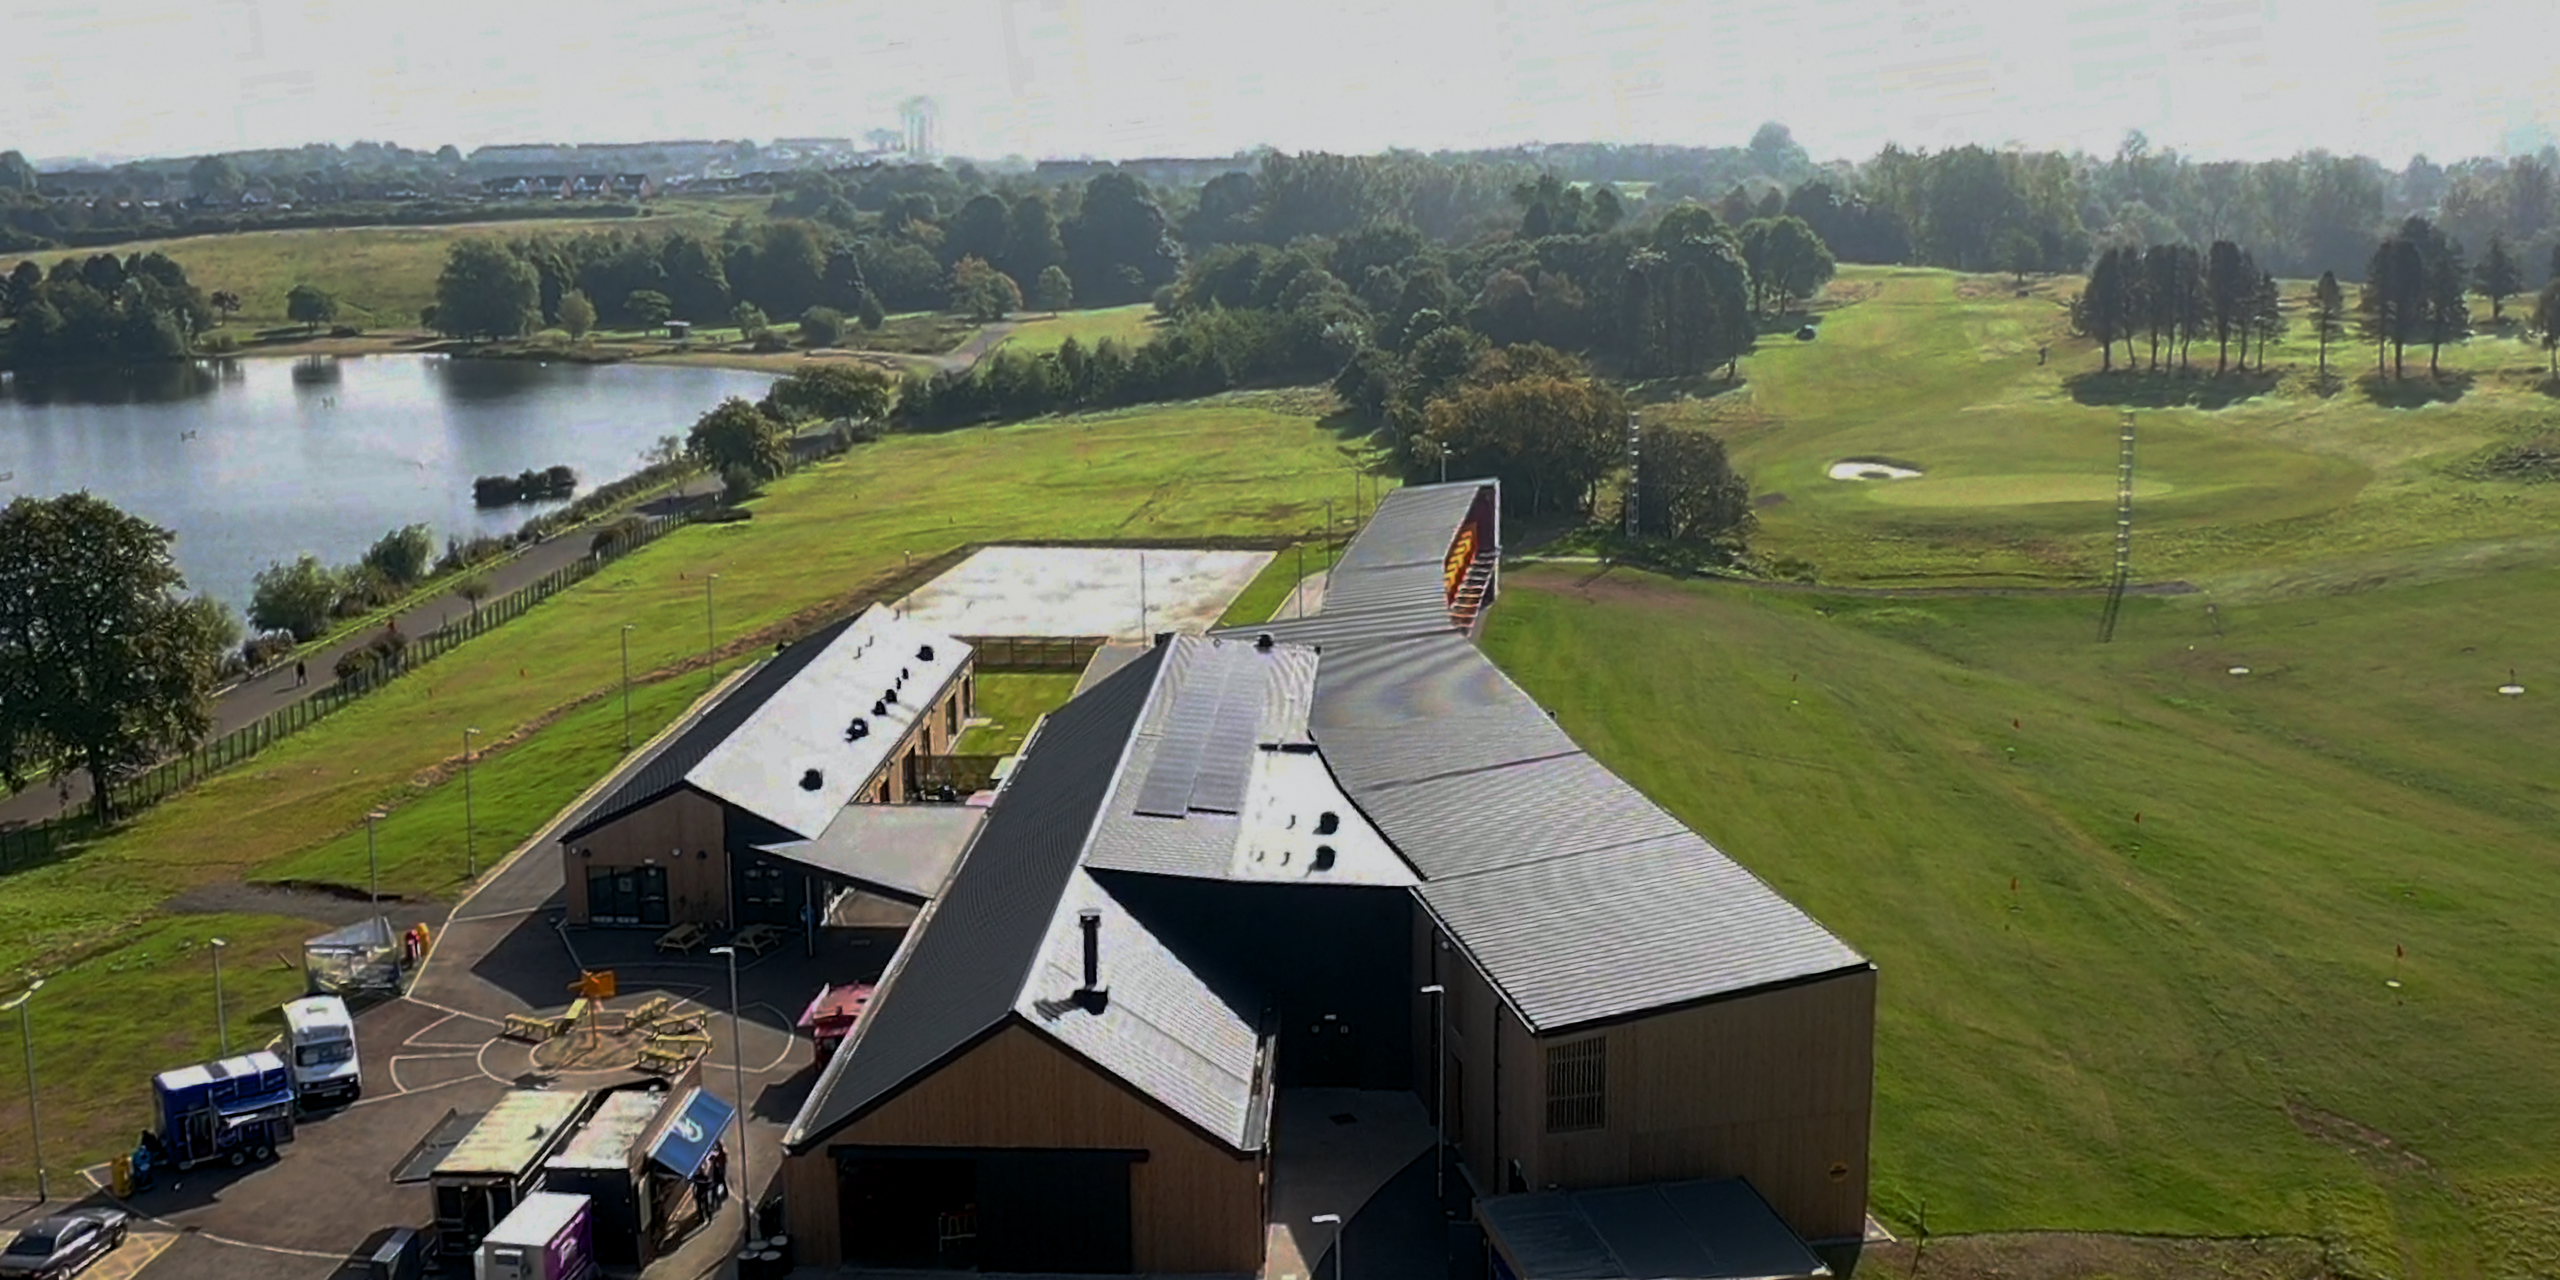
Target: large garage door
(1054, 1211)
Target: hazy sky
(1119, 78)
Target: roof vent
(811, 780)
(924, 653)
(1324, 858)
(1328, 822)
(890, 698)
(1091, 997)
(879, 708)
(858, 730)
(902, 675)
(1263, 642)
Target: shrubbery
(375, 658)
(529, 486)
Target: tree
(829, 391)
(735, 434)
(979, 230)
(2498, 276)
(2393, 302)
(577, 315)
(2448, 299)
(486, 292)
(16, 175)
(2546, 321)
(310, 307)
(982, 292)
(2328, 316)
(822, 326)
(1117, 227)
(104, 666)
(402, 555)
(294, 597)
(1053, 291)
(1032, 245)
(2229, 283)
(649, 307)
(1549, 440)
(2021, 254)
(216, 178)
(2266, 316)
(868, 311)
(1607, 209)
(749, 318)
(1687, 490)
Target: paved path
(244, 703)
(961, 358)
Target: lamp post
(35, 1121)
(470, 830)
(738, 1063)
(1439, 1092)
(221, 1018)
(626, 686)
(372, 863)
(1328, 544)
(1339, 1272)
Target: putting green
(2009, 490)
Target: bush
(459, 554)
(770, 343)
(380, 656)
(361, 590)
(217, 343)
(266, 647)
(402, 555)
(294, 598)
(527, 486)
(739, 483)
(614, 536)
(345, 331)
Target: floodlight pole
(1339, 1226)
(1142, 597)
(1328, 544)
(221, 1017)
(738, 1063)
(470, 836)
(626, 686)
(372, 864)
(35, 1121)
(710, 630)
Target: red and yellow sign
(1462, 554)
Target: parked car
(62, 1245)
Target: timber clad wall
(683, 832)
(1194, 1206)
(811, 1208)
(1778, 1088)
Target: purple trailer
(549, 1237)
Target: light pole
(372, 863)
(710, 629)
(35, 1122)
(738, 1063)
(626, 686)
(1339, 1273)
(221, 1018)
(1439, 1091)
(470, 832)
(1328, 544)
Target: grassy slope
(1242, 464)
(1010, 701)
(1941, 371)
(380, 275)
(1130, 325)
(2180, 1024)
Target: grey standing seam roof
(1200, 674)
(1696, 1230)
(968, 959)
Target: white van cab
(320, 1043)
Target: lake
(254, 460)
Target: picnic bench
(646, 1012)
(758, 938)
(666, 1038)
(683, 938)
(527, 1026)
(664, 1060)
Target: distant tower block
(921, 120)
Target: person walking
(301, 674)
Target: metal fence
(1033, 653)
(36, 842)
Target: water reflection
(165, 383)
(316, 371)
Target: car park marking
(139, 1249)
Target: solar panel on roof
(1166, 793)
(1226, 761)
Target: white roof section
(318, 1013)
(207, 1072)
(536, 1219)
(792, 761)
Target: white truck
(320, 1044)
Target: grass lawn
(1269, 590)
(544, 688)
(1010, 701)
(1131, 325)
(1940, 372)
(2179, 1021)
(381, 276)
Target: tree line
(101, 309)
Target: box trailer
(548, 1237)
(235, 1110)
(499, 1163)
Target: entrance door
(1330, 1055)
(652, 887)
(627, 895)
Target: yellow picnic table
(683, 938)
(758, 938)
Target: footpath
(244, 703)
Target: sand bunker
(1870, 469)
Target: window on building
(1578, 1086)
(951, 711)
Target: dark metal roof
(1703, 1230)
(1390, 583)
(968, 959)
(1413, 525)
(665, 770)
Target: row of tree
(101, 309)
(2174, 296)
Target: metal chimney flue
(1091, 997)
